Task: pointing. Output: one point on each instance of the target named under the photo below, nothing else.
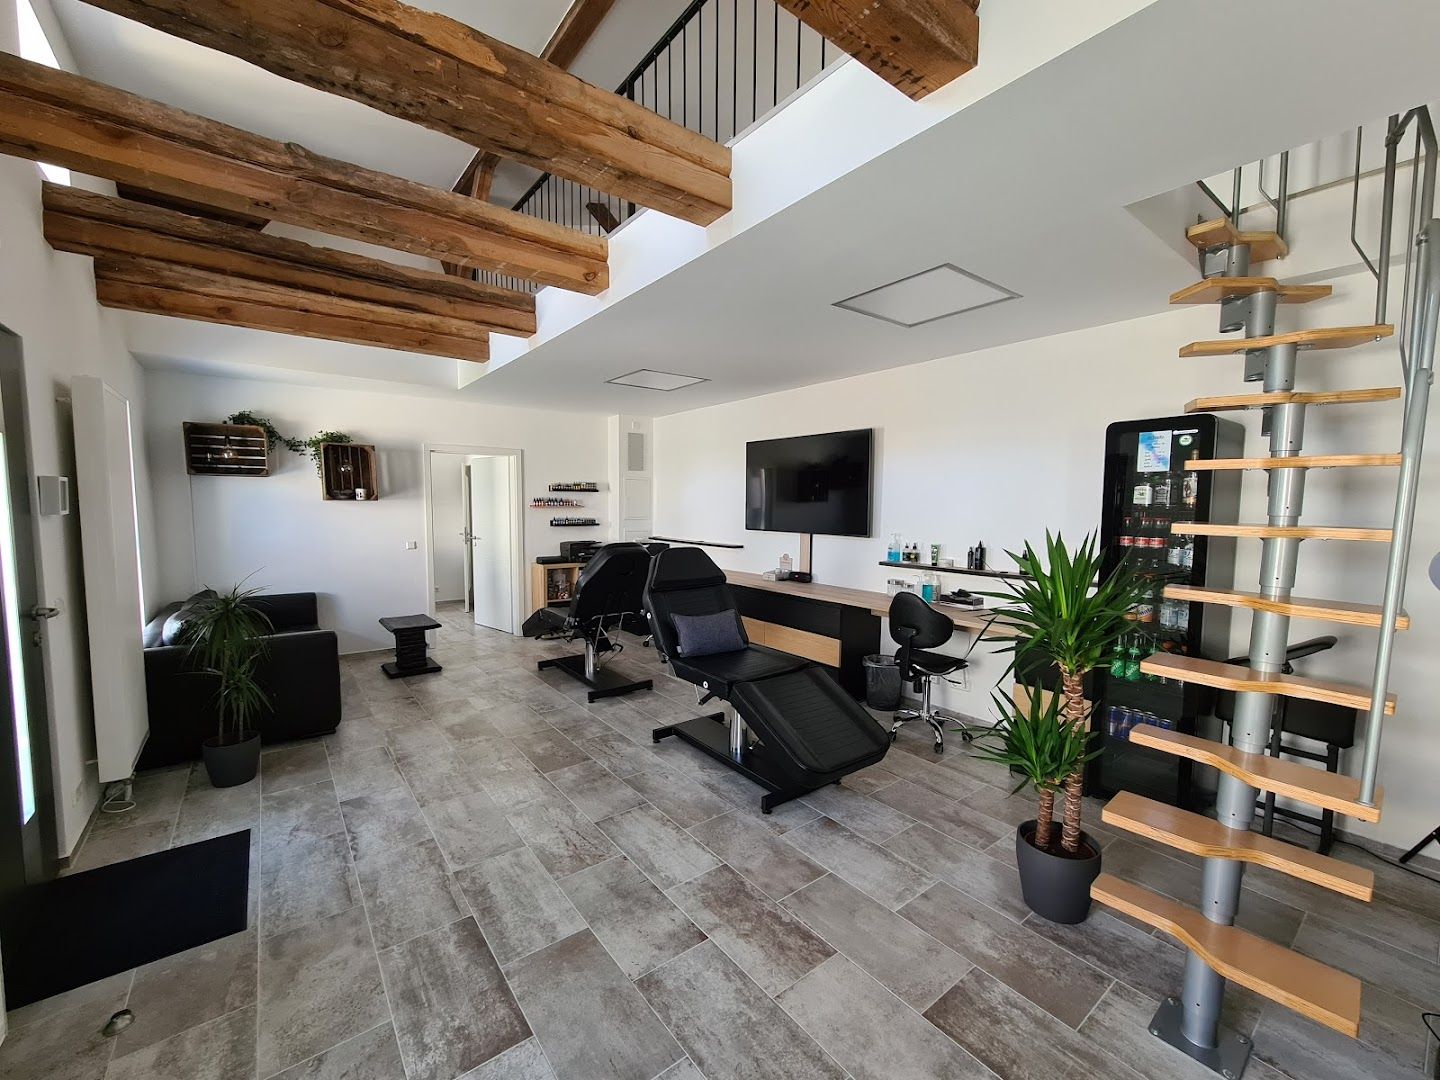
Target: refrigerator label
(1154, 453)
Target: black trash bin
(882, 683)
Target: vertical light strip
(19, 706)
(135, 512)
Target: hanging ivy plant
(314, 442)
(273, 438)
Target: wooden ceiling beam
(108, 228)
(917, 46)
(64, 119)
(575, 31)
(186, 206)
(432, 70)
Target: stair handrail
(1279, 202)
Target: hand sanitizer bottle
(892, 553)
(785, 566)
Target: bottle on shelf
(1143, 494)
(786, 565)
(892, 553)
(1160, 491)
(1190, 486)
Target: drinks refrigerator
(1147, 488)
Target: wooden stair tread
(1327, 790)
(1206, 837)
(1306, 986)
(1218, 289)
(1281, 532)
(1330, 337)
(1193, 669)
(1341, 611)
(1231, 402)
(1300, 461)
(1264, 246)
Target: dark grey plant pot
(1056, 887)
(232, 764)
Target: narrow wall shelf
(1008, 575)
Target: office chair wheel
(893, 733)
(966, 736)
(939, 747)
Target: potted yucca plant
(225, 638)
(1033, 738)
(1070, 616)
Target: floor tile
(869, 1032)
(302, 813)
(869, 867)
(365, 772)
(666, 852)
(189, 988)
(638, 925)
(870, 780)
(417, 740)
(859, 813)
(1120, 1023)
(945, 815)
(435, 778)
(470, 828)
(765, 940)
(683, 801)
(1119, 949)
(727, 1024)
(305, 880)
(549, 750)
(383, 820)
(561, 837)
(319, 985)
(465, 726)
(512, 782)
(594, 789)
(1401, 973)
(1302, 1048)
(121, 845)
(516, 719)
(354, 733)
(207, 812)
(453, 1009)
(1056, 980)
(987, 878)
(935, 778)
(156, 796)
(102, 997)
(523, 1061)
(1015, 1038)
(517, 904)
(293, 766)
(372, 1055)
(914, 965)
(221, 1049)
(408, 891)
(772, 865)
(620, 755)
(590, 1019)
(63, 1045)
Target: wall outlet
(962, 678)
(411, 545)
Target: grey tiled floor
(480, 876)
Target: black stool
(917, 627)
(410, 656)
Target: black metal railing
(722, 66)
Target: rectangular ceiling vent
(937, 293)
(646, 379)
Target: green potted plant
(1033, 738)
(1070, 616)
(225, 638)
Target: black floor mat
(73, 930)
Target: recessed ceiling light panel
(646, 379)
(932, 294)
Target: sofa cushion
(708, 635)
(174, 631)
(155, 628)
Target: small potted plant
(1071, 616)
(1033, 739)
(225, 638)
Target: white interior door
(467, 538)
(492, 507)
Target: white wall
(1001, 444)
(48, 300)
(447, 522)
(218, 530)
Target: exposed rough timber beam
(54, 116)
(432, 70)
(917, 46)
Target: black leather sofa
(300, 673)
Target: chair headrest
(683, 568)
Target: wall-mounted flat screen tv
(810, 484)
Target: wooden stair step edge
(1216, 290)
(1303, 607)
(1327, 790)
(1231, 402)
(1330, 337)
(1217, 233)
(1206, 837)
(1192, 669)
(1306, 986)
(1299, 461)
(1281, 532)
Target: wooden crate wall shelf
(225, 449)
(344, 467)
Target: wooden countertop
(877, 603)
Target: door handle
(40, 611)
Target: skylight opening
(35, 47)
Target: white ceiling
(1026, 188)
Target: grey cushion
(709, 635)
(174, 629)
(155, 629)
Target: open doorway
(475, 538)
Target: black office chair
(611, 587)
(1318, 721)
(917, 627)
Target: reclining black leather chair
(810, 731)
(611, 586)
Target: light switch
(410, 545)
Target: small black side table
(410, 656)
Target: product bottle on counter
(892, 553)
